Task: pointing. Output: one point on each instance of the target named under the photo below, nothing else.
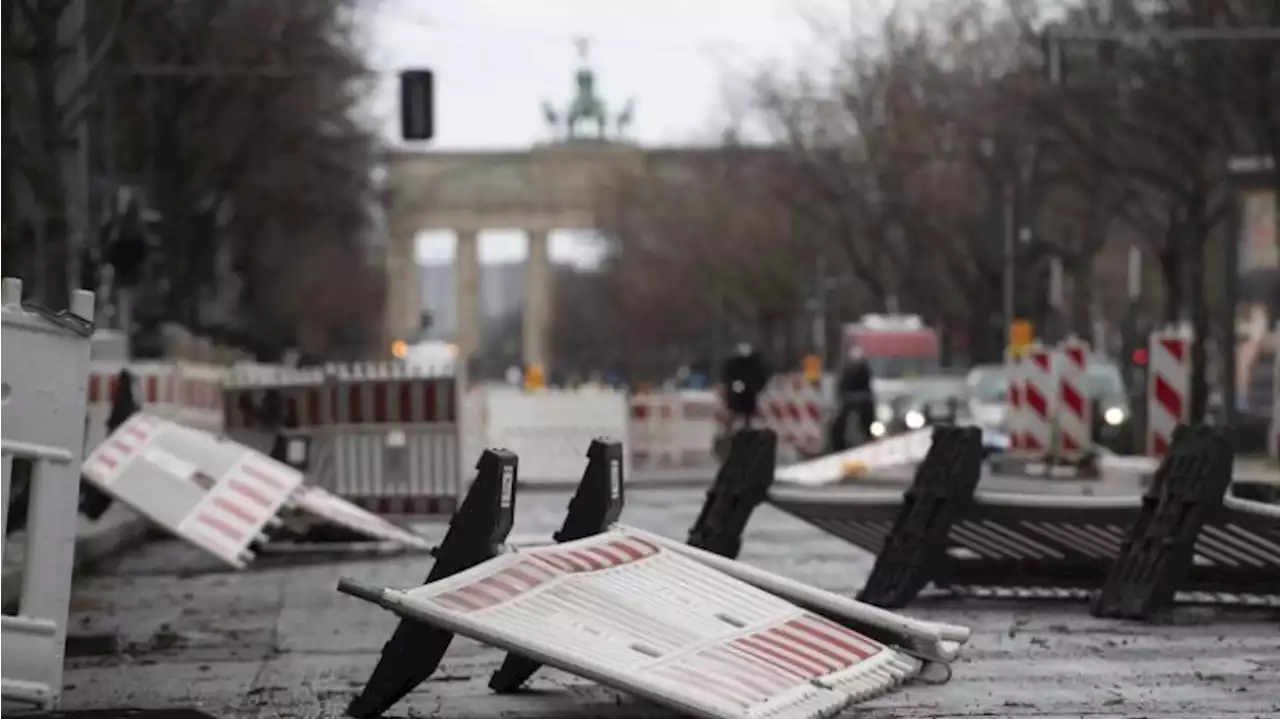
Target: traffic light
(417, 106)
(1140, 357)
(399, 349)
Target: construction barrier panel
(186, 392)
(1186, 539)
(1168, 387)
(673, 430)
(385, 436)
(797, 410)
(219, 495)
(690, 631)
(1074, 405)
(547, 428)
(46, 370)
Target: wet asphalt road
(164, 627)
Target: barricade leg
(741, 484)
(595, 507)
(43, 437)
(915, 551)
(1157, 553)
(476, 532)
(93, 501)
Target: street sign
(1021, 334)
(812, 368)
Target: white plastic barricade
(673, 430)
(625, 609)
(549, 430)
(46, 366)
(1168, 387)
(217, 495)
(185, 392)
(384, 436)
(322, 503)
(1074, 405)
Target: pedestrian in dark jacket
(855, 396)
(744, 375)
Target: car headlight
(1113, 416)
(877, 429)
(884, 413)
(914, 419)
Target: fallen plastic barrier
(1183, 539)
(219, 495)
(637, 612)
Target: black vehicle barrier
(476, 534)
(946, 532)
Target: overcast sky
(495, 61)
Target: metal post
(1010, 262)
(820, 313)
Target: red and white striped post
(1168, 387)
(1015, 424)
(1075, 410)
(1038, 400)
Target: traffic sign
(812, 368)
(533, 377)
(1021, 334)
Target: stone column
(537, 300)
(467, 278)
(404, 289)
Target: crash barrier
(548, 428)
(185, 392)
(223, 497)
(385, 436)
(45, 369)
(1168, 386)
(673, 430)
(1184, 539)
(795, 409)
(640, 613)
(1050, 413)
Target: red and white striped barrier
(1038, 393)
(384, 436)
(185, 392)
(1015, 420)
(1168, 387)
(673, 430)
(797, 410)
(1075, 408)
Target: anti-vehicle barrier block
(476, 533)
(916, 546)
(45, 390)
(596, 506)
(741, 484)
(1185, 494)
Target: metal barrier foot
(914, 552)
(741, 484)
(1157, 554)
(596, 506)
(475, 535)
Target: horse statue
(586, 106)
